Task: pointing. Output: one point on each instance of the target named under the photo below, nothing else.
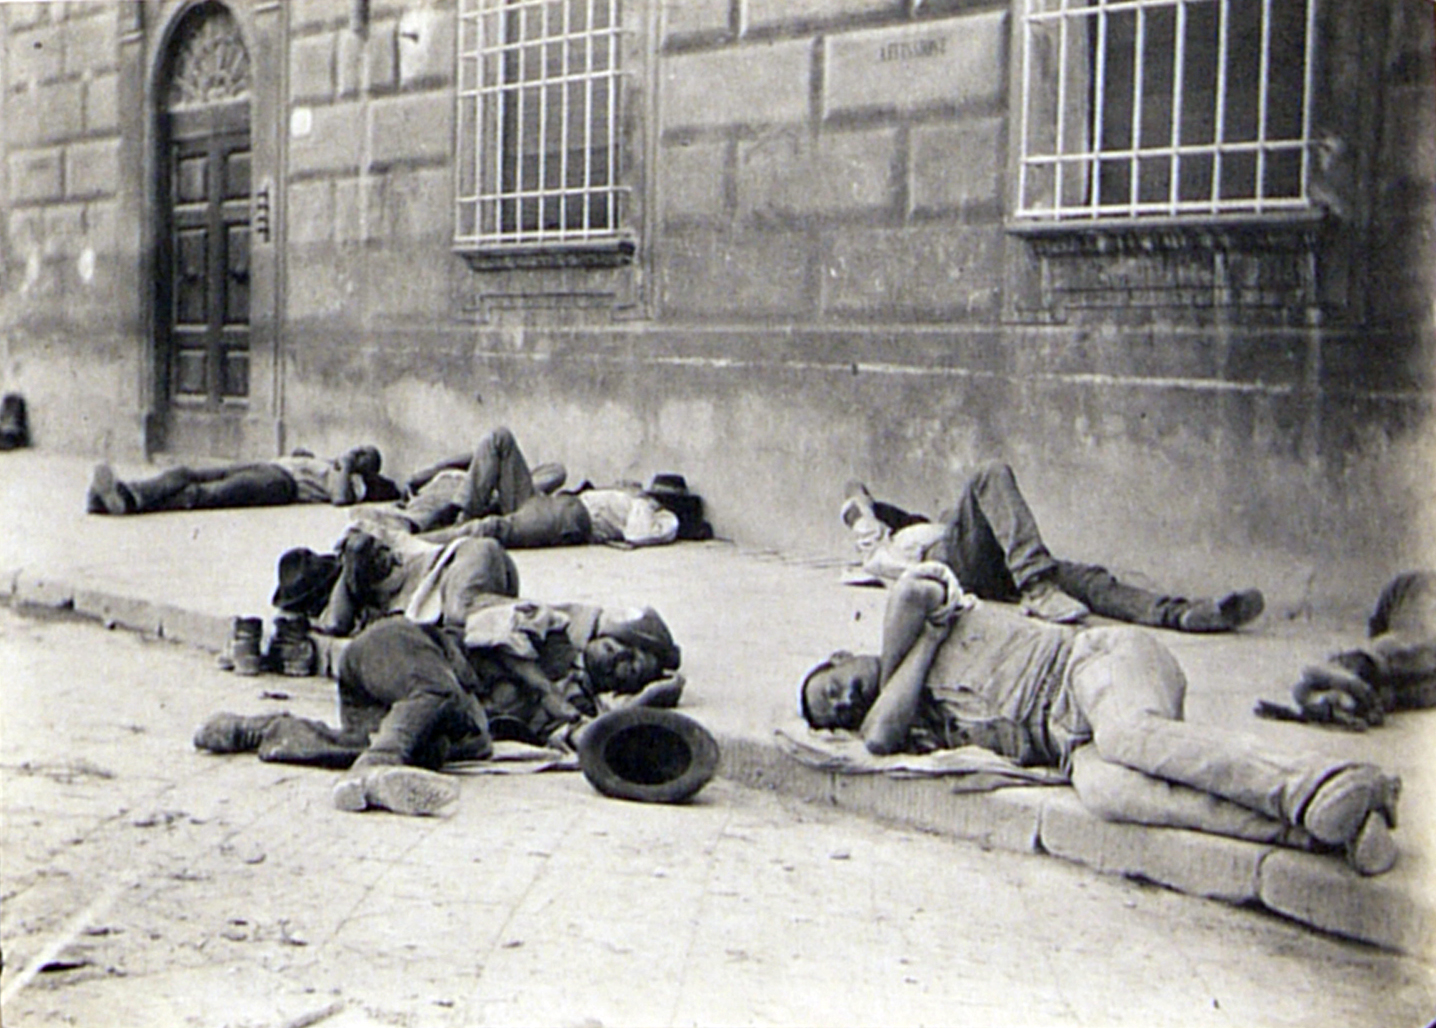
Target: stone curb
(1317, 891)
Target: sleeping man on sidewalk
(492, 493)
(1104, 705)
(353, 477)
(990, 540)
(1394, 670)
(413, 697)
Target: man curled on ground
(1104, 705)
(413, 697)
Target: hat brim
(305, 582)
(647, 754)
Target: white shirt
(319, 480)
(618, 514)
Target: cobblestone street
(146, 884)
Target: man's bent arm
(910, 640)
(886, 726)
(339, 614)
(458, 462)
(344, 492)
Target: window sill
(1193, 232)
(588, 253)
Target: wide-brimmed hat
(644, 629)
(647, 754)
(305, 580)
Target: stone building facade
(1172, 259)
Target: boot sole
(349, 795)
(1351, 795)
(409, 790)
(1373, 851)
(105, 489)
(1243, 607)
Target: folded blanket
(517, 758)
(973, 768)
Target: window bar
(1134, 164)
(1263, 89)
(460, 197)
(1307, 86)
(541, 130)
(1022, 165)
(1061, 143)
(520, 121)
(588, 117)
(477, 100)
(611, 137)
(501, 115)
(1099, 120)
(1219, 131)
(1174, 193)
(563, 195)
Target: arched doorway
(202, 280)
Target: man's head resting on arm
(839, 692)
(629, 649)
(367, 460)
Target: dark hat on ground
(668, 483)
(647, 754)
(305, 580)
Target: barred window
(1165, 109)
(538, 108)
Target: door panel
(205, 334)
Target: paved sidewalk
(750, 623)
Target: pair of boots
(291, 651)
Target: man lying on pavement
(301, 477)
(413, 697)
(1102, 704)
(991, 541)
(1394, 670)
(492, 493)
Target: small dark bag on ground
(14, 423)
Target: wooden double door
(203, 287)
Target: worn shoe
(1042, 599)
(106, 495)
(245, 638)
(349, 794)
(1225, 615)
(291, 651)
(402, 790)
(409, 790)
(1337, 813)
(857, 502)
(1373, 851)
(233, 733)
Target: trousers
(234, 485)
(1134, 758)
(992, 543)
(406, 696)
(497, 481)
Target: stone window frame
(1057, 95)
(606, 246)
